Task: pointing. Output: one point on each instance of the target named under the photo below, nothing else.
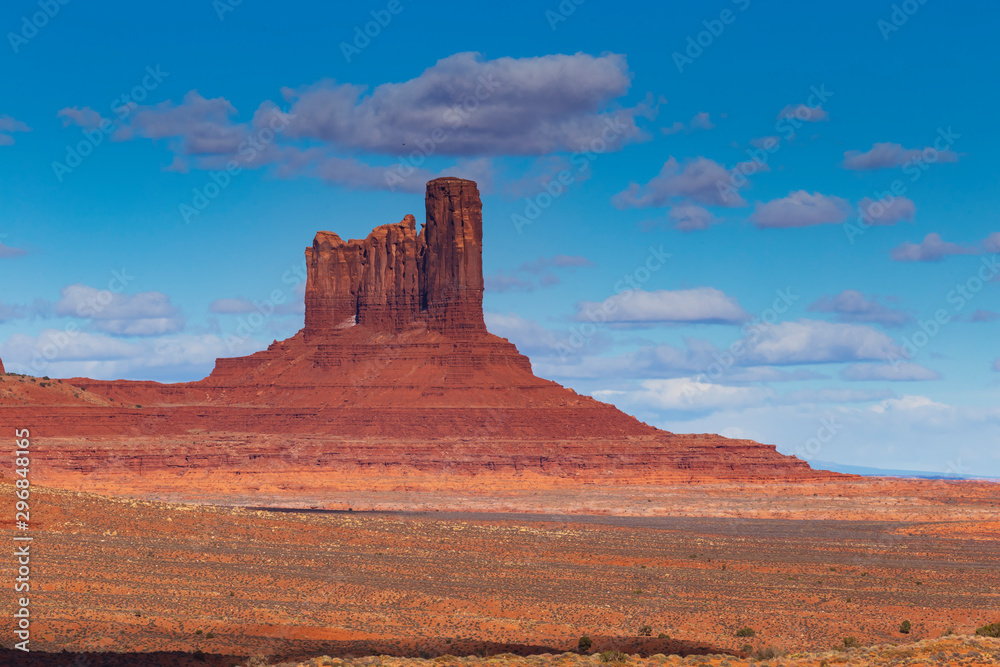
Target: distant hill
(887, 472)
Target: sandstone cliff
(398, 279)
(394, 370)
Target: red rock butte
(393, 371)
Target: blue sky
(701, 264)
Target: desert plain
(394, 485)
(804, 568)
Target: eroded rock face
(1, 367)
(452, 258)
(398, 279)
(394, 371)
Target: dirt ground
(118, 575)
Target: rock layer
(398, 279)
(393, 371)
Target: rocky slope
(393, 370)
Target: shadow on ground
(301, 651)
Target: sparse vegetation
(851, 642)
(991, 630)
(663, 635)
(584, 644)
(746, 632)
(645, 631)
(769, 653)
(905, 627)
(613, 656)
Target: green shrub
(645, 631)
(746, 632)
(584, 644)
(851, 642)
(663, 635)
(905, 627)
(769, 653)
(747, 648)
(613, 656)
(991, 630)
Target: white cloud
(523, 106)
(8, 126)
(179, 357)
(528, 335)
(932, 249)
(909, 404)
(886, 155)
(700, 180)
(688, 395)
(143, 314)
(241, 306)
(700, 305)
(85, 118)
(804, 112)
(463, 106)
(901, 372)
(815, 342)
(853, 306)
(800, 209)
(984, 316)
(701, 121)
(543, 270)
(992, 242)
(6, 251)
(913, 433)
(877, 212)
(689, 217)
